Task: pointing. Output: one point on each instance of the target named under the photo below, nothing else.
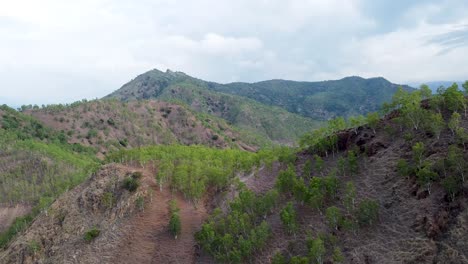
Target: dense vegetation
(318, 100)
(194, 169)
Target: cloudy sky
(61, 51)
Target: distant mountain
(269, 108)
(436, 84)
(318, 100)
(273, 123)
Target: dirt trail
(147, 239)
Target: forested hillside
(318, 100)
(108, 125)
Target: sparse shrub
(137, 175)
(92, 133)
(123, 142)
(140, 203)
(91, 234)
(34, 246)
(214, 137)
(111, 122)
(131, 184)
(368, 212)
(278, 258)
(108, 199)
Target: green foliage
(194, 169)
(91, 234)
(426, 176)
(20, 224)
(278, 258)
(307, 169)
(452, 186)
(337, 255)
(350, 196)
(299, 260)
(140, 203)
(233, 238)
(34, 246)
(454, 99)
(108, 200)
(286, 180)
(454, 122)
(352, 162)
(436, 124)
(319, 163)
(131, 184)
(317, 250)
(334, 217)
(403, 168)
(175, 225)
(373, 120)
(418, 153)
(368, 212)
(288, 218)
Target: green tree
(403, 168)
(465, 87)
(373, 120)
(456, 161)
(334, 216)
(319, 163)
(175, 226)
(454, 99)
(286, 180)
(350, 196)
(317, 250)
(356, 121)
(426, 176)
(352, 162)
(418, 153)
(288, 218)
(278, 258)
(452, 186)
(337, 255)
(299, 260)
(300, 191)
(307, 170)
(454, 122)
(426, 92)
(436, 124)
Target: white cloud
(53, 50)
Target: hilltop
(316, 100)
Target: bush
(175, 226)
(131, 184)
(91, 234)
(368, 212)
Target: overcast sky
(61, 51)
